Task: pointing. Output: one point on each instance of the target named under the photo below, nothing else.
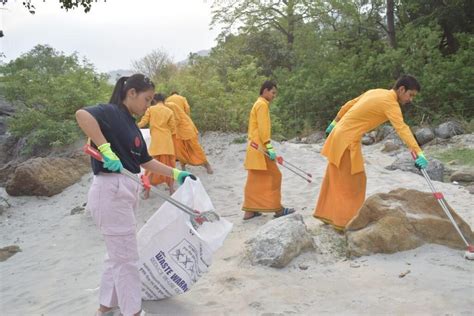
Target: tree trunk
(391, 24)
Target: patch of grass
(240, 140)
(463, 156)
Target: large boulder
(277, 242)
(424, 135)
(401, 220)
(449, 129)
(45, 176)
(383, 132)
(405, 162)
(464, 175)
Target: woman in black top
(113, 198)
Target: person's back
(162, 127)
(185, 128)
(181, 101)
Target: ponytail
(138, 82)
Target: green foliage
(47, 88)
(463, 156)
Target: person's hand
(421, 162)
(330, 127)
(111, 161)
(180, 175)
(271, 151)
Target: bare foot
(208, 168)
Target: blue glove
(330, 127)
(111, 161)
(271, 152)
(180, 175)
(421, 162)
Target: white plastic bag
(173, 255)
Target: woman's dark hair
(409, 82)
(159, 97)
(138, 82)
(269, 84)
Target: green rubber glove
(421, 162)
(180, 175)
(111, 161)
(330, 127)
(271, 151)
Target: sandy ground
(58, 270)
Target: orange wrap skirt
(189, 151)
(342, 194)
(263, 189)
(155, 178)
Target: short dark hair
(409, 82)
(269, 84)
(174, 92)
(138, 82)
(159, 97)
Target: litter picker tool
(469, 254)
(197, 218)
(280, 161)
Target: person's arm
(145, 119)
(160, 168)
(172, 124)
(264, 124)
(187, 108)
(394, 114)
(90, 127)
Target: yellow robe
(360, 116)
(185, 128)
(259, 131)
(162, 127)
(180, 101)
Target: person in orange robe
(343, 188)
(162, 127)
(187, 147)
(179, 100)
(263, 187)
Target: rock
(7, 252)
(367, 140)
(384, 131)
(390, 146)
(449, 129)
(7, 172)
(424, 135)
(470, 188)
(314, 138)
(465, 175)
(45, 176)
(277, 242)
(405, 162)
(77, 210)
(401, 220)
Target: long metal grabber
(288, 163)
(440, 198)
(254, 145)
(197, 218)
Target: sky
(113, 33)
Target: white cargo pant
(112, 201)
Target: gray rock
(470, 188)
(449, 129)
(390, 146)
(401, 220)
(465, 175)
(277, 242)
(367, 140)
(424, 135)
(7, 252)
(314, 138)
(383, 131)
(405, 162)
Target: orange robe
(162, 127)
(187, 147)
(180, 101)
(263, 187)
(343, 188)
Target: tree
(65, 4)
(47, 88)
(157, 65)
